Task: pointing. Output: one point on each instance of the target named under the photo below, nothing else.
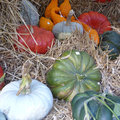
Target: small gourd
(28, 99)
(55, 16)
(74, 72)
(111, 40)
(65, 7)
(52, 4)
(91, 105)
(46, 23)
(2, 75)
(64, 29)
(96, 20)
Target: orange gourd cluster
(55, 14)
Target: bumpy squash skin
(72, 73)
(112, 40)
(97, 109)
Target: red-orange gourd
(46, 23)
(96, 20)
(55, 16)
(52, 4)
(43, 39)
(93, 34)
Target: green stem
(105, 98)
(25, 85)
(87, 116)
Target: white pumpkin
(63, 30)
(33, 106)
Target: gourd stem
(24, 87)
(71, 13)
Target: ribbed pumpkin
(52, 4)
(38, 42)
(65, 7)
(64, 29)
(46, 23)
(93, 34)
(111, 41)
(74, 72)
(55, 16)
(26, 99)
(96, 20)
(89, 106)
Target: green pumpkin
(111, 41)
(97, 110)
(72, 73)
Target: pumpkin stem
(80, 77)
(71, 13)
(26, 79)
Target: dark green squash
(111, 41)
(96, 109)
(72, 73)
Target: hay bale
(12, 60)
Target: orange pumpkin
(55, 16)
(52, 4)
(93, 34)
(65, 7)
(46, 23)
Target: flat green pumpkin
(96, 110)
(111, 41)
(72, 73)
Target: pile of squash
(74, 76)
